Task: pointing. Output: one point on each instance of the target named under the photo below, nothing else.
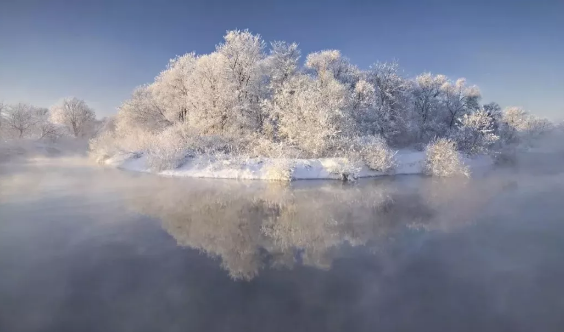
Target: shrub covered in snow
(279, 170)
(442, 159)
(376, 154)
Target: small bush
(370, 150)
(376, 154)
(279, 170)
(442, 159)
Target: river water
(83, 248)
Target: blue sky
(99, 50)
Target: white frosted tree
(517, 118)
(493, 109)
(171, 89)
(363, 107)
(426, 99)
(138, 121)
(19, 120)
(280, 66)
(475, 132)
(331, 64)
(459, 99)
(243, 53)
(212, 100)
(315, 114)
(44, 129)
(391, 96)
(282, 63)
(144, 112)
(519, 126)
(73, 113)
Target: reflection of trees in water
(251, 226)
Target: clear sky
(99, 50)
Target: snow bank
(408, 162)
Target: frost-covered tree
(73, 113)
(280, 67)
(517, 118)
(494, 110)
(171, 88)
(144, 112)
(363, 107)
(426, 98)
(44, 128)
(243, 53)
(330, 64)
(282, 63)
(212, 99)
(459, 99)
(391, 95)
(519, 126)
(314, 113)
(475, 132)
(27, 121)
(19, 119)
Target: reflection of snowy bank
(408, 162)
(257, 225)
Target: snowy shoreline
(408, 163)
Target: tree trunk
(75, 130)
(453, 116)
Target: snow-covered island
(252, 111)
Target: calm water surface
(84, 248)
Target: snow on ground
(408, 162)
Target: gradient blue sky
(100, 50)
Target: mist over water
(83, 248)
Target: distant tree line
(70, 117)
